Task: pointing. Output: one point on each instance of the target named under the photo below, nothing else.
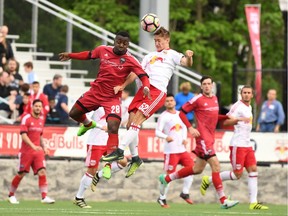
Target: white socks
(131, 136)
(84, 184)
(187, 182)
(253, 186)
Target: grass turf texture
(61, 208)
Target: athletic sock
(14, 185)
(253, 186)
(187, 182)
(217, 182)
(184, 172)
(43, 185)
(84, 184)
(131, 136)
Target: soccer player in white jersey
(171, 128)
(159, 65)
(96, 148)
(241, 151)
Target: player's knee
(92, 171)
(123, 162)
(41, 172)
(238, 174)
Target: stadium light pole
(284, 8)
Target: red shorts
(204, 150)
(92, 100)
(146, 106)
(241, 157)
(36, 160)
(94, 154)
(172, 160)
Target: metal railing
(105, 35)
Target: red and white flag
(253, 21)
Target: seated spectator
(52, 116)
(24, 89)
(8, 95)
(3, 59)
(23, 105)
(62, 106)
(31, 75)
(53, 89)
(16, 78)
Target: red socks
(43, 186)
(14, 185)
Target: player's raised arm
(131, 78)
(187, 60)
(65, 56)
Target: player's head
(206, 85)
(121, 43)
(37, 107)
(170, 102)
(162, 39)
(246, 93)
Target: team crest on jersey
(122, 60)
(156, 58)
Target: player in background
(160, 66)
(241, 151)
(171, 128)
(206, 108)
(116, 63)
(96, 148)
(32, 153)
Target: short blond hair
(185, 85)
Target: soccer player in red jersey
(32, 153)
(206, 108)
(116, 63)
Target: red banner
(253, 21)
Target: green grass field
(61, 208)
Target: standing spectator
(171, 128)
(184, 96)
(271, 115)
(32, 153)
(9, 51)
(62, 106)
(31, 75)
(241, 152)
(206, 110)
(6, 93)
(16, 78)
(3, 59)
(52, 89)
(52, 116)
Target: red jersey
(43, 98)
(34, 129)
(206, 111)
(113, 70)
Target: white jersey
(170, 124)
(160, 67)
(241, 136)
(97, 136)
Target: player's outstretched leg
(118, 154)
(258, 206)
(204, 185)
(82, 130)
(106, 171)
(81, 203)
(133, 166)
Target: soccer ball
(150, 22)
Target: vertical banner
(253, 21)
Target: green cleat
(118, 154)
(106, 171)
(82, 130)
(162, 179)
(133, 166)
(204, 185)
(258, 206)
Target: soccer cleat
(13, 200)
(95, 181)
(106, 171)
(163, 203)
(229, 203)
(133, 166)
(186, 198)
(82, 130)
(47, 200)
(258, 206)
(81, 203)
(118, 154)
(162, 179)
(204, 185)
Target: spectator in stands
(271, 115)
(184, 96)
(24, 90)
(31, 75)
(23, 105)
(62, 106)
(53, 115)
(16, 78)
(3, 59)
(53, 89)
(7, 96)
(9, 51)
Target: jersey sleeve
(24, 125)
(177, 57)
(96, 52)
(233, 111)
(160, 127)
